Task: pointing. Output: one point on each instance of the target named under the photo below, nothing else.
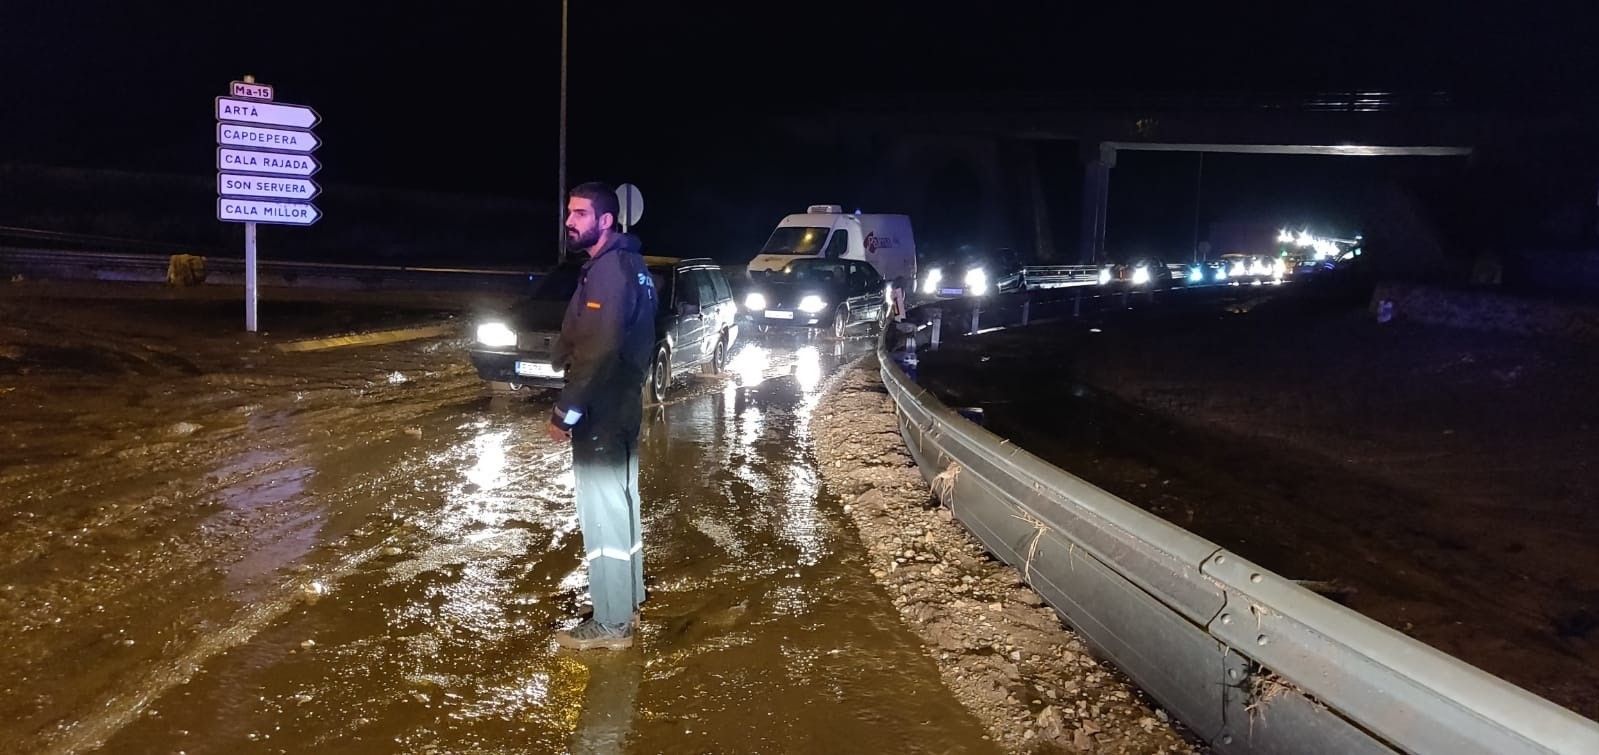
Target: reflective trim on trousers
(615, 553)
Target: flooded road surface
(384, 574)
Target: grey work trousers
(605, 467)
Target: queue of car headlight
(810, 304)
(1237, 271)
(974, 283)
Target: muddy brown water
(377, 565)
(1418, 557)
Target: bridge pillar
(1098, 159)
(1043, 229)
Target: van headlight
(755, 302)
(977, 281)
(812, 304)
(930, 283)
(1140, 275)
(1104, 275)
(496, 334)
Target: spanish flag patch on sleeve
(592, 305)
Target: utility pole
(560, 190)
(1199, 193)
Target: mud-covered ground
(212, 546)
(1032, 682)
(1440, 481)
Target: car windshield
(663, 288)
(812, 271)
(558, 284)
(795, 240)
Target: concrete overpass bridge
(996, 139)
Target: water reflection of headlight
(489, 471)
(807, 367)
(749, 364)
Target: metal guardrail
(1247, 659)
(1058, 276)
(152, 268)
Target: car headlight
(496, 334)
(755, 302)
(1239, 269)
(977, 281)
(1196, 275)
(1140, 275)
(1221, 273)
(812, 304)
(930, 283)
(1104, 276)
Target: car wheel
(840, 322)
(660, 377)
(718, 358)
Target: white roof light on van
(825, 209)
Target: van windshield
(805, 240)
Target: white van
(824, 230)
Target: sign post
(264, 169)
(251, 320)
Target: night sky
(681, 98)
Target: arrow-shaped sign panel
(265, 113)
(280, 213)
(266, 187)
(274, 163)
(281, 140)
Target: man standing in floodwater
(607, 339)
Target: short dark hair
(602, 196)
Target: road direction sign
(267, 187)
(265, 113)
(281, 140)
(251, 90)
(273, 163)
(254, 211)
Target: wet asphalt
(386, 575)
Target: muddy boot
(592, 634)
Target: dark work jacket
(608, 338)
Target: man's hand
(557, 434)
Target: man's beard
(582, 242)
